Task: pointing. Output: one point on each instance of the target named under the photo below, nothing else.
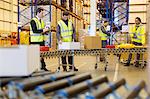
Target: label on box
(69, 45)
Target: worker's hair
(65, 13)
(105, 21)
(40, 9)
(138, 18)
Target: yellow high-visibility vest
(66, 31)
(103, 35)
(140, 33)
(37, 37)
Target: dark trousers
(137, 56)
(104, 43)
(39, 43)
(43, 64)
(64, 61)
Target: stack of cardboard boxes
(8, 39)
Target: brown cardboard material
(92, 42)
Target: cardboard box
(69, 45)
(92, 42)
(21, 60)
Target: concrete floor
(115, 71)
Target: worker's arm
(143, 35)
(104, 31)
(58, 33)
(74, 33)
(131, 33)
(34, 27)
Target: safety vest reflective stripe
(138, 39)
(67, 36)
(34, 34)
(66, 30)
(137, 34)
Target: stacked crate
(8, 39)
(8, 20)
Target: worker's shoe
(101, 59)
(74, 68)
(137, 64)
(43, 66)
(64, 69)
(45, 69)
(127, 64)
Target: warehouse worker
(104, 34)
(137, 38)
(66, 33)
(37, 31)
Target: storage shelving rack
(117, 12)
(53, 11)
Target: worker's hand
(129, 40)
(45, 30)
(60, 42)
(134, 36)
(74, 40)
(108, 34)
(97, 34)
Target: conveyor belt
(86, 52)
(69, 86)
(94, 52)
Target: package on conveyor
(125, 46)
(81, 37)
(92, 42)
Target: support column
(92, 17)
